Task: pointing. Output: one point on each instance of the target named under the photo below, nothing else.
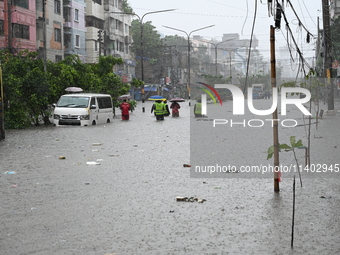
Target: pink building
(18, 25)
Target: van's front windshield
(73, 102)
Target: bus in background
(258, 91)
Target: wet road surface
(115, 193)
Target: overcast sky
(231, 16)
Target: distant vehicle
(258, 92)
(83, 109)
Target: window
(98, 1)
(104, 102)
(57, 6)
(20, 31)
(1, 27)
(94, 22)
(67, 13)
(95, 45)
(93, 101)
(58, 58)
(57, 35)
(76, 15)
(67, 40)
(77, 41)
(21, 3)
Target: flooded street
(115, 191)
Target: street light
(188, 35)
(216, 44)
(230, 51)
(140, 19)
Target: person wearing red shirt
(125, 108)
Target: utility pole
(100, 38)
(188, 37)
(105, 41)
(44, 34)
(275, 118)
(328, 52)
(2, 113)
(9, 22)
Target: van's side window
(104, 102)
(93, 101)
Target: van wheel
(93, 123)
(108, 121)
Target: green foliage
(290, 84)
(258, 79)
(136, 83)
(293, 145)
(313, 84)
(147, 44)
(335, 35)
(29, 91)
(151, 40)
(133, 104)
(179, 42)
(126, 7)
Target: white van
(83, 109)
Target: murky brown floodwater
(127, 203)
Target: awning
(152, 89)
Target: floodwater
(115, 193)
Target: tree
(151, 50)
(29, 91)
(335, 35)
(26, 89)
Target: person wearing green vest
(166, 109)
(159, 109)
(198, 108)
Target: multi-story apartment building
(117, 39)
(74, 28)
(50, 29)
(58, 28)
(334, 9)
(94, 26)
(17, 25)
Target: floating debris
(186, 165)
(62, 157)
(96, 144)
(92, 163)
(190, 199)
(10, 172)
